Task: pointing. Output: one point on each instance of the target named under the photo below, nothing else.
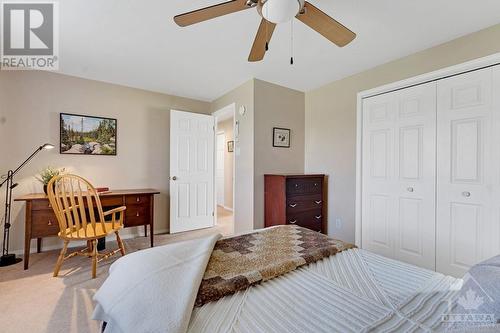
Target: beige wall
(331, 117)
(244, 153)
(30, 107)
(226, 126)
(276, 106)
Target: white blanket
(354, 291)
(154, 290)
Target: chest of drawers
(296, 199)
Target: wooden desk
(41, 222)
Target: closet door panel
(415, 150)
(378, 200)
(465, 170)
(398, 202)
(494, 239)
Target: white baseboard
(124, 235)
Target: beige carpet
(33, 301)
(225, 221)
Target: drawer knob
(466, 194)
(317, 217)
(293, 221)
(137, 199)
(50, 222)
(296, 185)
(318, 202)
(293, 205)
(410, 189)
(50, 206)
(137, 214)
(315, 184)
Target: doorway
(224, 169)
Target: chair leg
(61, 258)
(120, 243)
(94, 258)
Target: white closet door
(378, 200)
(467, 168)
(399, 142)
(415, 151)
(494, 240)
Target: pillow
(477, 304)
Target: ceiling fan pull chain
(267, 31)
(291, 42)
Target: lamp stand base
(9, 259)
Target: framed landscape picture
(281, 137)
(87, 135)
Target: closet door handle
(466, 194)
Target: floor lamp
(10, 259)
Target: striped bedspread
(353, 291)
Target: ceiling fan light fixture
(280, 11)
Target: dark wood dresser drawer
(298, 186)
(44, 223)
(136, 215)
(296, 204)
(312, 219)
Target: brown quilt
(239, 262)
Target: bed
(351, 291)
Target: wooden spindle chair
(78, 209)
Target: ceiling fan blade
(211, 12)
(262, 37)
(325, 25)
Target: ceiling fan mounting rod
(252, 3)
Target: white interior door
(399, 149)
(219, 172)
(468, 171)
(191, 171)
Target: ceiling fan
(272, 13)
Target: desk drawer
(137, 200)
(41, 205)
(44, 223)
(111, 201)
(136, 215)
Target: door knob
(174, 178)
(466, 194)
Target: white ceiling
(136, 43)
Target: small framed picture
(281, 137)
(230, 146)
